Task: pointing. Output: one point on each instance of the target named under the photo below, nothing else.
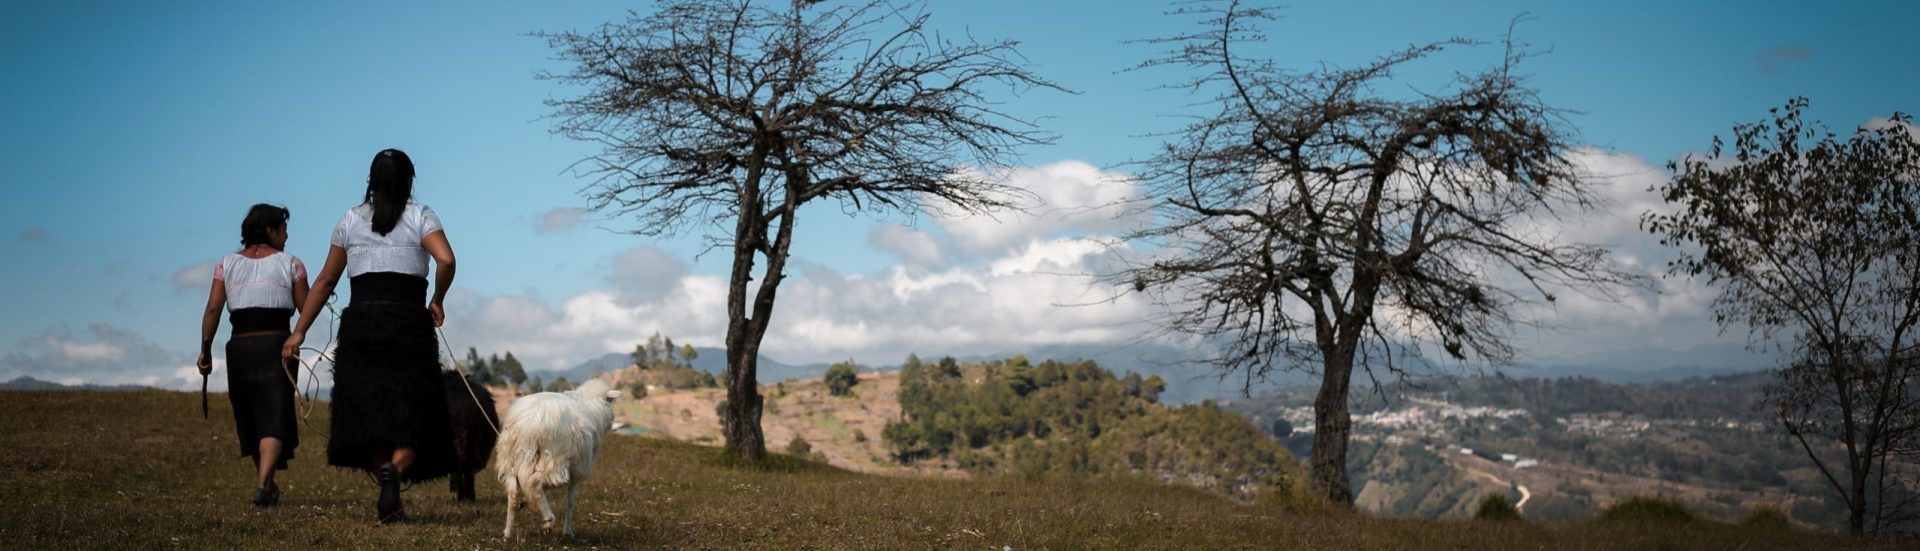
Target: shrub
(1768, 517)
(859, 436)
(1496, 507)
(798, 447)
(1648, 509)
(841, 378)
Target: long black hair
(389, 187)
(260, 218)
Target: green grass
(141, 470)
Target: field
(139, 470)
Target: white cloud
(559, 219)
(103, 354)
(1071, 198)
(194, 277)
(912, 246)
(984, 285)
(646, 272)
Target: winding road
(1524, 493)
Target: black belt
(258, 320)
(388, 288)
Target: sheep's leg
(546, 510)
(571, 484)
(513, 501)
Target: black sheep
(473, 430)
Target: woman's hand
(439, 313)
(292, 349)
(204, 363)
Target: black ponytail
(389, 187)
(260, 219)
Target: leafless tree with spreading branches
(737, 113)
(1819, 238)
(1314, 221)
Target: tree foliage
(1076, 419)
(841, 378)
(728, 115)
(1313, 220)
(1818, 237)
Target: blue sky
(133, 135)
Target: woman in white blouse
(389, 404)
(259, 287)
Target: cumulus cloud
(823, 314)
(33, 234)
(1071, 198)
(559, 220)
(102, 354)
(1783, 54)
(915, 247)
(646, 273)
(988, 286)
(1673, 311)
(194, 277)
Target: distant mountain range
(26, 383)
(711, 360)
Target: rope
(463, 379)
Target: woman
(389, 406)
(259, 286)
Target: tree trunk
(1331, 426)
(741, 422)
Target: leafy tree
(688, 354)
(510, 367)
(841, 378)
(535, 385)
(1321, 221)
(1150, 389)
(1820, 238)
(746, 110)
(559, 385)
(640, 355)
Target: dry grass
(139, 470)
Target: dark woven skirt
(387, 390)
(262, 395)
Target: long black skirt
(261, 389)
(387, 391)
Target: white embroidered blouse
(264, 282)
(398, 251)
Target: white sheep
(550, 439)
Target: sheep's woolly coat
(550, 439)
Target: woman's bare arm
(209, 324)
(436, 245)
(323, 285)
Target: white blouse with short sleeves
(265, 282)
(397, 251)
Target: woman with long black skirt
(259, 287)
(389, 404)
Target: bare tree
(1309, 221)
(737, 112)
(1819, 238)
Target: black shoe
(266, 497)
(389, 507)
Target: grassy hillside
(141, 470)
